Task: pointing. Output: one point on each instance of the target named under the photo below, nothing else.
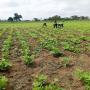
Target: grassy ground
(55, 53)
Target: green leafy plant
(56, 52)
(84, 38)
(70, 47)
(5, 65)
(66, 61)
(28, 58)
(40, 83)
(49, 44)
(52, 46)
(3, 82)
(84, 77)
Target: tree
(17, 17)
(36, 19)
(10, 19)
(75, 17)
(84, 17)
(56, 17)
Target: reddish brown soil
(21, 76)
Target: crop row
(25, 48)
(1, 33)
(4, 63)
(46, 42)
(68, 42)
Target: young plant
(66, 61)
(70, 47)
(84, 77)
(49, 43)
(28, 58)
(52, 46)
(40, 83)
(4, 65)
(3, 82)
(56, 52)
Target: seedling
(56, 52)
(66, 61)
(40, 83)
(3, 82)
(5, 65)
(84, 77)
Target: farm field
(33, 57)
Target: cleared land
(55, 53)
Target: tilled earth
(21, 76)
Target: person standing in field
(45, 24)
(55, 24)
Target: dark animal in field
(44, 24)
(60, 25)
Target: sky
(30, 9)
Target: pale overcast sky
(44, 8)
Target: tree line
(57, 18)
(74, 17)
(18, 17)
